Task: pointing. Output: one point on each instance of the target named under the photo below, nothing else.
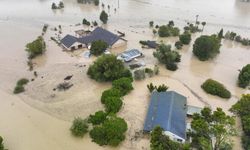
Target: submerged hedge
(215, 88)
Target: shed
(191, 110)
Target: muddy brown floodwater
(40, 117)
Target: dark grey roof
(98, 34)
(167, 110)
(68, 40)
(152, 44)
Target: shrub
(162, 88)
(19, 89)
(215, 88)
(79, 127)
(178, 45)
(61, 4)
(53, 6)
(151, 23)
(36, 47)
(98, 118)
(95, 23)
(111, 132)
(1, 144)
(244, 76)
(104, 17)
(166, 31)
(156, 70)
(139, 74)
(165, 55)
(96, 2)
(149, 71)
(124, 85)
(151, 87)
(85, 22)
(22, 81)
(185, 38)
(98, 47)
(113, 104)
(108, 68)
(206, 47)
(110, 93)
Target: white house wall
(174, 137)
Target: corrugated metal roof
(191, 110)
(167, 110)
(68, 40)
(98, 34)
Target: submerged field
(44, 116)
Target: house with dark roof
(167, 110)
(71, 42)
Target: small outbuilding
(129, 55)
(167, 110)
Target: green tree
(220, 34)
(139, 74)
(162, 88)
(178, 45)
(113, 104)
(98, 47)
(111, 132)
(53, 6)
(96, 2)
(151, 23)
(208, 125)
(85, 22)
(104, 17)
(20, 86)
(110, 93)
(108, 68)
(98, 118)
(203, 25)
(215, 88)
(159, 141)
(244, 76)
(165, 55)
(1, 144)
(61, 4)
(36, 47)
(242, 109)
(206, 47)
(123, 84)
(185, 38)
(166, 31)
(79, 127)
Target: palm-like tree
(203, 24)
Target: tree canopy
(206, 47)
(165, 55)
(110, 93)
(98, 118)
(242, 109)
(159, 141)
(108, 68)
(113, 104)
(185, 38)
(79, 127)
(104, 17)
(210, 124)
(111, 132)
(36, 47)
(244, 76)
(98, 47)
(215, 88)
(1, 144)
(168, 30)
(123, 84)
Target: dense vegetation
(60, 5)
(108, 68)
(242, 108)
(85, 22)
(1, 144)
(36, 47)
(79, 127)
(185, 38)
(111, 132)
(215, 88)
(159, 141)
(20, 86)
(165, 55)
(104, 17)
(178, 45)
(160, 88)
(110, 93)
(234, 37)
(124, 85)
(98, 47)
(98, 118)
(244, 76)
(96, 2)
(208, 125)
(168, 30)
(206, 47)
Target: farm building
(167, 110)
